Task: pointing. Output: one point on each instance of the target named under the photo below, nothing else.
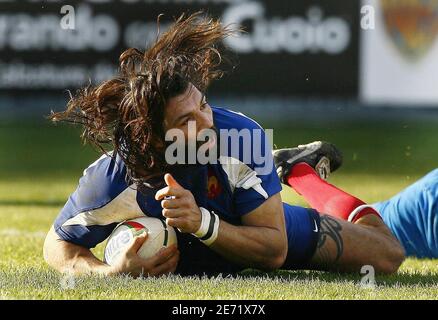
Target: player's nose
(204, 121)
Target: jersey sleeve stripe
(122, 207)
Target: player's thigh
(302, 235)
(345, 246)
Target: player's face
(189, 106)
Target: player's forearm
(82, 261)
(66, 257)
(258, 247)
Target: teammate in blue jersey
(228, 210)
(411, 215)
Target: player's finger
(173, 213)
(167, 267)
(170, 181)
(173, 268)
(172, 203)
(168, 192)
(163, 255)
(179, 223)
(137, 242)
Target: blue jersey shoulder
(228, 119)
(252, 178)
(95, 202)
(101, 182)
(242, 138)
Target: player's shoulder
(102, 199)
(225, 118)
(102, 181)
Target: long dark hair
(126, 112)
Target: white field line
(21, 233)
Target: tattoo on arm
(330, 228)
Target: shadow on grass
(395, 280)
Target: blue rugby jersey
(103, 197)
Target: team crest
(412, 25)
(213, 186)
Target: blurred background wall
(306, 59)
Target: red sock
(324, 197)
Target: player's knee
(388, 267)
(392, 260)
(399, 256)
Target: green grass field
(40, 166)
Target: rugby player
(411, 215)
(229, 214)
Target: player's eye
(204, 103)
(186, 121)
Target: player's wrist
(106, 270)
(209, 228)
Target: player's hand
(179, 206)
(164, 262)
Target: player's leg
(325, 197)
(323, 156)
(412, 216)
(345, 246)
(305, 167)
(324, 242)
(341, 245)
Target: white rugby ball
(159, 235)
